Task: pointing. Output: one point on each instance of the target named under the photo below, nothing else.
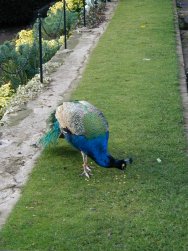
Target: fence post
(65, 25)
(40, 48)
(84, 3)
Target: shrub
(25, 37)
(18, 63)
(5, 94)
(53, 24)
(72, 5)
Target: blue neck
(102, 159)
(106, 160)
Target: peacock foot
(87, 171)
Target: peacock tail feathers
(53, 134)
(51, 120)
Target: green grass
(146, 207)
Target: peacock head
(121, 164)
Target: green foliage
(54, 23)
(75, 5)
(10, 61)
(5, 94)
(71, 5)
(18, 65)
(71, 20)
(30, 63)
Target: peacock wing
(81, 118)
(70, 117)
(94, 124)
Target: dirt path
(22, 129)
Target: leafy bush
(25, 37)
(71, 5)
(5, 94)
(75, 5)
(18, 63)
(53, 24)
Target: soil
(21, 130)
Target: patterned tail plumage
(51, 136)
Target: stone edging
(182, 76)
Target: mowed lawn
(132, 76)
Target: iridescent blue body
(95, 148)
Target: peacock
(84, 127)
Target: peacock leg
(87, 170)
